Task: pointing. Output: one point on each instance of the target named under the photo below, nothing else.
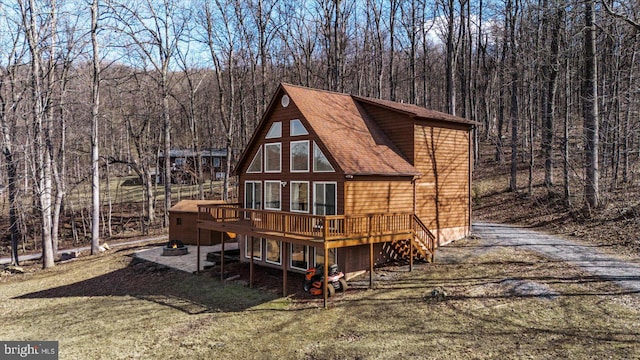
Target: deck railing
(330, 227)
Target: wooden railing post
(325, 228)
(283, 224)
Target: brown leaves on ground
(615, 227)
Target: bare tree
(95, 113)
(512, 13)
(42, 157)
(590, 100)
(9, 102)
(156, 31)
(221, 46)
(193, 80)
(451, 55)
(552, 70)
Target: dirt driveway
(589, 258)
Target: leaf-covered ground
(476, 302)
(615, 227)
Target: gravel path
(588, 257)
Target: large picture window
(257, 247)
(324, 198)
(253, 195)
(320, 162)
(274, 251)
(300, 196)
(272, 195)
(272, 158)
(299, 156)
(299, 257)
(320, 256)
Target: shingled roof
(353, 138)
(416, 111)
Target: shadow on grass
(159, 284)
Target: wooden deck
(327, 232)
(334, 230)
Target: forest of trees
(93, 89)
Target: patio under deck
(328, 232)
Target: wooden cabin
(183, 223)
(362, 180)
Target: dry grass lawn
(499, 304)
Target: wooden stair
(423, 245)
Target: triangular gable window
(320, 162)
(297, 128)
(256, 163)
(275, 131)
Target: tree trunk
(167, 148)
(565, 139)
(95, 108)
(451, 59)
(514, 100)
(591, 117)
(553, 68)
(41, 154)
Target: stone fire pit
(174, 248)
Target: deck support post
(222, 258)
(285, 260)
(198, 251)
(326, 272)
(369, 239)
(411, 245)
(251, 265)
(370, 265)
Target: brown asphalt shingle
(355, 141)
(416, 111)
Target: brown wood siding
(397, 127)
(356, 258)
(285, 115)
(442, 156)
(362, 197)
(278, 114)
(187, 230)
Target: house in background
(334, 178)
(183, 165)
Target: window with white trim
(319, 258)
(256, 163)
(253, 195)
(272, 158)
(274, 251)
(299, 196)
(272, 195)
(257, 247)
(297, 128)
(320, 161)
(325, 198)
(275, 131)
(299, 155)
(299, 255)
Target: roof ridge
(317, 90)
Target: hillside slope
(614, 228)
